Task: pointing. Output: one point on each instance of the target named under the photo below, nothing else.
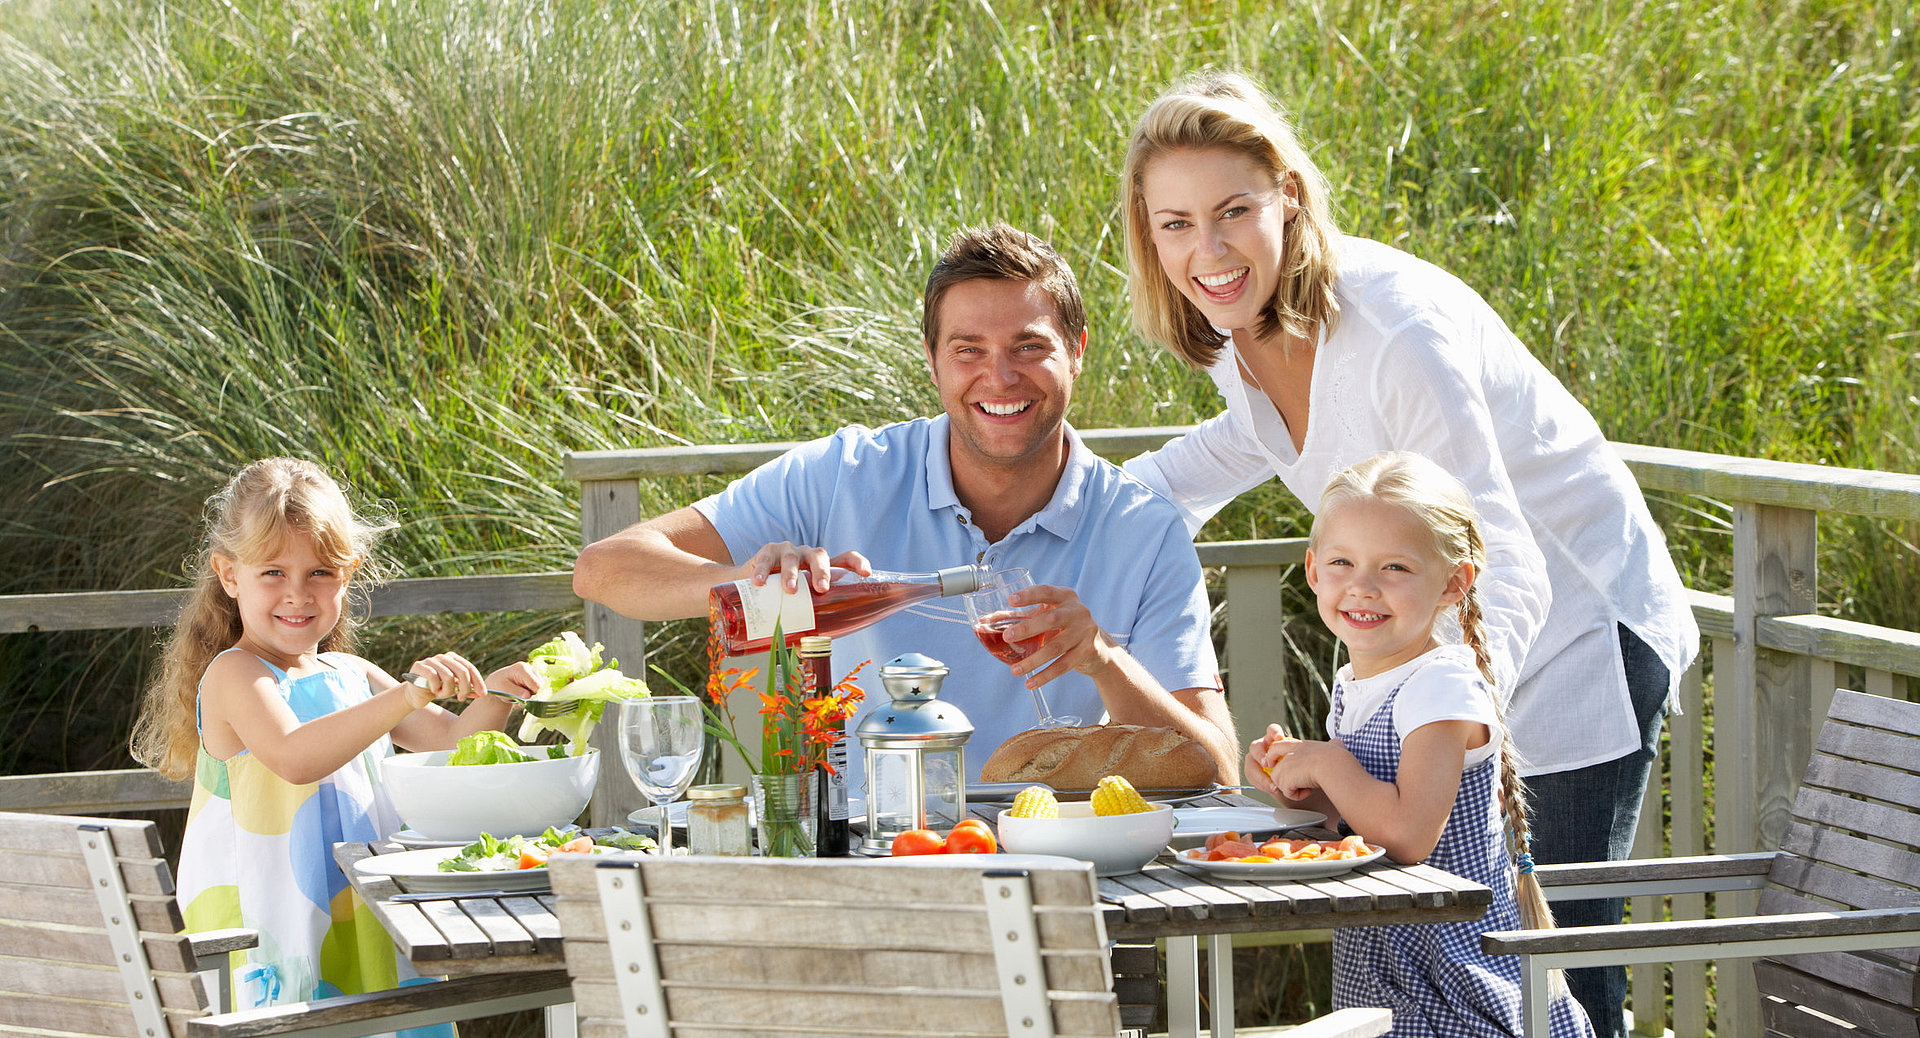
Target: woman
(1330, 349)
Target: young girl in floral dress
(282, 731)
(1419, 762)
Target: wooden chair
(705, 946)
(1839, 908)
(92, 947)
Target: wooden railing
(1770, 664)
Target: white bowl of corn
(1114, 829)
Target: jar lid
(816, 645)
(718, 791)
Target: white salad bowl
(1115, 844)
(459, 803)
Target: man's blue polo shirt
(888, 493)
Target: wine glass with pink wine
(991, 611)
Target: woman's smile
(1223, 287)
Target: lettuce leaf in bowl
(494, 747)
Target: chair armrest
(209, 946)
(1345, 1023)
(1686, 940)
(417, 1005)
(1634, 877)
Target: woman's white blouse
(1418, 361)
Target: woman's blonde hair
(1227, 110)
(247, 522)
(1441, 504)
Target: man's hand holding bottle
(790, 560)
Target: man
(1001, 480)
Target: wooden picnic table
(518, 933)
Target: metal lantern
(915, 754)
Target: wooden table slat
(1422, 890)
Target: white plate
(649, 816)
(992, 861)
(1277, 869)
(1206, 821)
(412, 840)
(419, 872)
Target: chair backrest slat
(30, 835)
(28, 903)
(857, 947)
(24, 1013)
(67, 976)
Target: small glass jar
(717, 820)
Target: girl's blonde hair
(247, 522)
(1441, 504)
(1227, 110)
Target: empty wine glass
(660, 743)
(991, 611)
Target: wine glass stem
(666, 827)
(1040, 704)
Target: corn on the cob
(1035, 802)
(1116, 796)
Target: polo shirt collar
(1060, 516)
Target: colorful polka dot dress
(258, 853)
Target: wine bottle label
(761, 607)
(837, 781)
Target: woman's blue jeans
(1589, 814)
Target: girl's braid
(1513, 789)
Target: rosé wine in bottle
(747, 613)
(1008, 652)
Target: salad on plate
(506, 854)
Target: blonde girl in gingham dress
(1394, 548)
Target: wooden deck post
(606, 508)
(1761, 738)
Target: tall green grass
(435, 244)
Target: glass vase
(784, 805)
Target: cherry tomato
(918, 841)
(971, 823)
(532, 856)
(971, 839)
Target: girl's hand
(1295, 766)
(1261, 753)
(449, 676)
(517, 678)
(1255, 769)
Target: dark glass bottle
(832, 839)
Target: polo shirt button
(962, 518)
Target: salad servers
(536, 707)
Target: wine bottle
(831, 835)
(748, 613)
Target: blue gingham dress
(1433, 975)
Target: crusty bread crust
(1074, 759)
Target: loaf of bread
(1074, 759)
